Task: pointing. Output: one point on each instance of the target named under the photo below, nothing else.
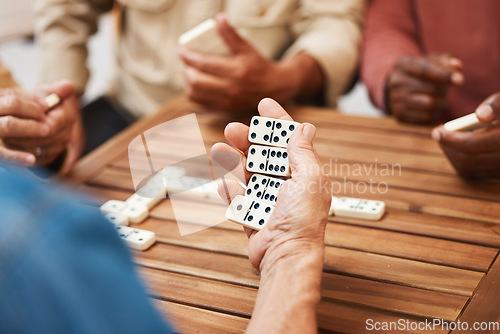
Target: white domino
(271, 131)
(268, 160)
(52, 100)
(172, 172)
(147, 201)
(205, 38)
(194, 187)
(264, 188)
(136, 213)
(135, 238)
(466, 123)
(117, 219)
(249, 212)
(332, 206)
(358, 208)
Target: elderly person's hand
(417, 86)
(239, 81)
(475, 153)
(290, 246)
(31, 134)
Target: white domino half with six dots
(264, 188)
(249, 212)
(270, 131)
(268, 160)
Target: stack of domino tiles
(268, 160)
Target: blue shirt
(63, 268)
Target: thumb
(233, 40)
(63, 88)
(489, 110)
(301, 153)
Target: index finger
(216, 65)
(472, 142)
(423, 68)
(13, 127)
(21, 105)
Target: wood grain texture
(430, 256)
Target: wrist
(289, 252)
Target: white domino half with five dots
(249, 212)
(357, 208)
(268, 160)
(135, 238)
(271, 131)
(264, 188)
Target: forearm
(306, 77)
(288, 295)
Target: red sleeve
(390, 32)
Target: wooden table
(433, 255)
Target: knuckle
(6, 124)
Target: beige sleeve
(62, 29)
(330, 31)
(6, 79)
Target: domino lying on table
(268, 159)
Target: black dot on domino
(249, 191)
(269, 124)
(264, 152)
(271, 183)
(273, 153)
(141, 239)
(288, 139)
(276, 168)
(253, 135)
(264, 182)
(285, 155)
(262, 166)
(261, 222)
(268, 209)
(278, 125)
(250, 164)
(266, 137)
(259, 194)
(239, 207)
(255, 122)
(284, 133)
(279, 154)
(256, 186)
(256, 206)
(272, 197)
(122, 235)
(276, 139)
(277, 184)
(267, 196)
(250, 218)
(112, 218)
(252, 151)
(291, 127)
(254, 178)
(282, 169)
(271, 166)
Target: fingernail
(455, 62)
(457, 78)
(436, 135)
(309, 131)
(485, 112)
(30, 160)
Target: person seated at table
(291, 50)
(64, 269)
(32, 136)
(427, 62)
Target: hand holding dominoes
(281, 209)
(471, 143)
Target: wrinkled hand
(239, 81)
(475, 153)
(417, 87)
(297, 225)
(54, 131)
